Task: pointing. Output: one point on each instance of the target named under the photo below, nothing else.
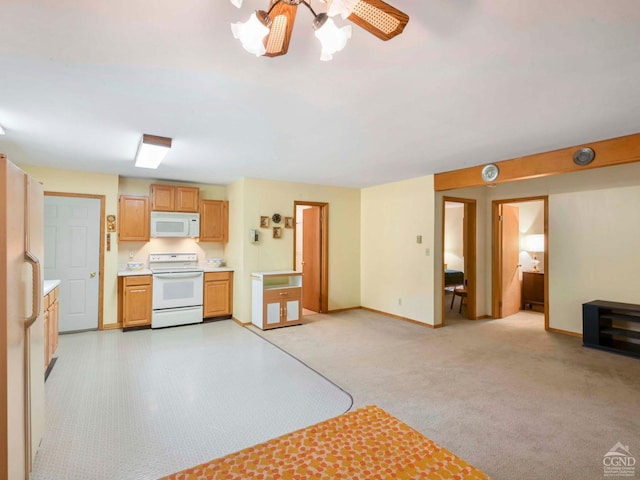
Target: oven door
(175, 290)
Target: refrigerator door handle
(36, 299)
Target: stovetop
(174, 262)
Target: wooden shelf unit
(611, 326)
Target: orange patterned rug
(367, 443)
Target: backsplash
(141, 250)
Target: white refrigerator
(21, 321)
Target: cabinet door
(273, 308)
(186, 199)
(163, 198)
(134, 218)
(137, 305)
(216, 298)
(214, 221)
(46, 339)
(292, 306)
(54, 326)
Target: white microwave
(170, 224)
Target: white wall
(397, 274)
(453, 236)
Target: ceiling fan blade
(283, 16)
(379, 18)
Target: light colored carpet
(513, 400)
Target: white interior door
(72, 255)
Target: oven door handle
(177, 275)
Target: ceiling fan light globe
(332, 38)
(251, 34)
(344, 8)
(237, 3)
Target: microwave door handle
(177, 275)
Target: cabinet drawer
(137, 280)
(213, 276)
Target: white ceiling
(468, 82)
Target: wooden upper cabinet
(134, 218)
(187, 199)
(214, 221)
(171, 198)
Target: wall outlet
(400, 302)
(131, 254)
(419, 239)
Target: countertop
(124, 272)
(49, 285)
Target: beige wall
(593, 221)
(139, 251)
(453, 236)
(69, 181)
(397, 274)
(264, 197)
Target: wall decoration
(111, 223)
(277, 232)
(276, 218)
(288, 222)
(264, 222)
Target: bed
(453, 278)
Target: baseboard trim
(404, 319)
(565, 332)
(242, 324)
(483, 317)
(112, 326)
(340, 310)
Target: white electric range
(177, 289)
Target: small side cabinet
(276, 299)
(134, 300)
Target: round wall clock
(584, 156)
(276, 218)
(490, 172)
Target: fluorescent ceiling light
(152, 151)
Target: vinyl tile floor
(147, 403)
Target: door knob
(92, 274)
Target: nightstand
(532, 289)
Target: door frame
(324, 248)
(101, 259)
(470, 250)
(496, 254)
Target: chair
(460, 292)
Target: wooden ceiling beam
(615, 151)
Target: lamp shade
(332, 38)
(151, 151)
(251, 34)
(534, 243)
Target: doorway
(74, 254)
(459, 256)
(310, 256)
(520, 256)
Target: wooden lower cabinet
(50, 325)
(532, 289)
(134, 300)
(218, 294)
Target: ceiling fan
(268, 32)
